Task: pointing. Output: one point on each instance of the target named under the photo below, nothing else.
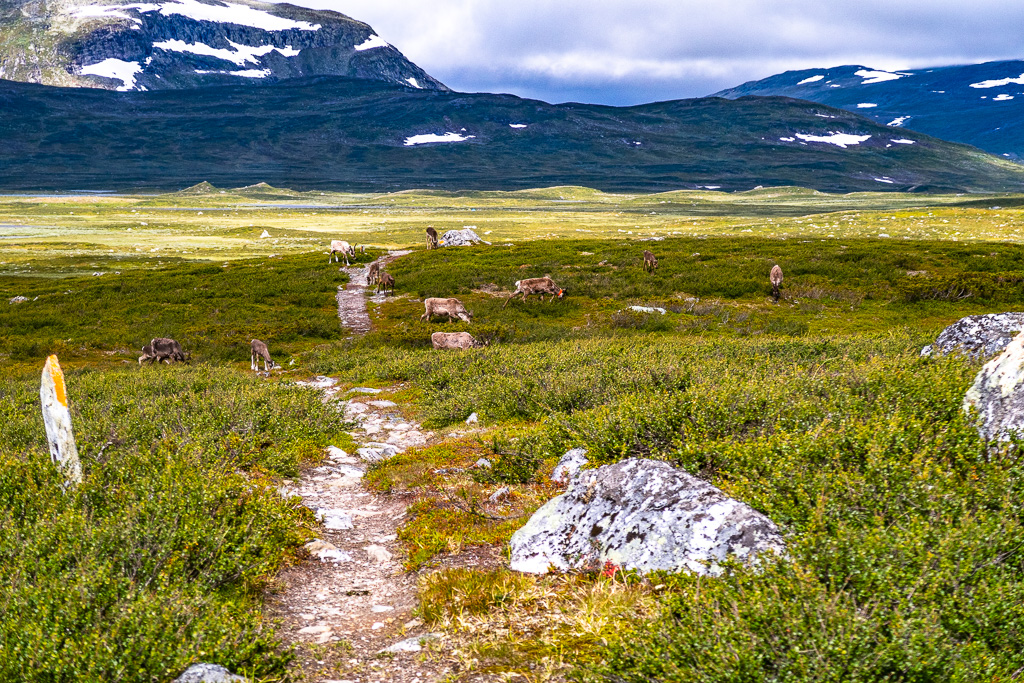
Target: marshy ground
(904, 528)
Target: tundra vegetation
(904, 528)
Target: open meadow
(904, 529)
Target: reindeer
(536, 285)
(341, 247)
(373, 274)
(776, 278)
(260, 350)
(431, 237)
(384, 281)
(162, 349)
(452, 308)
(650, 261)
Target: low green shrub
(159, 557)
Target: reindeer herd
(168, 350)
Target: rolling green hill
(348, 134)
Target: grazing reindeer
(431, 237)
(650, 261)
(452, 308)
(162, 349)
(373, 274)
(536, 285)
(384, 281)
(454, 340)
(341, 247)
(260, 350)
(776, 278)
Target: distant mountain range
(977, 104)
(167, 44)
(359, 134)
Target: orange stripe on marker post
(53, 365)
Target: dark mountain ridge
(976, 104)
(352, 134)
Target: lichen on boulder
(644, 515)
(997, 394)
(977, 336)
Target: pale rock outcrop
(208, 673)
(569, 465)
(977, 336)
(644, 515)
(461, 238)
(997, 394)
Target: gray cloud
(621, 52)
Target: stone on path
(997, 394)
(208, 673)
(569, 465)
(977, 336)
(335, 519)
(644, 515)
(414, 644)
(378, 553)
(327, 552)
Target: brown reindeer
(162, 349)
(650, 261)
(373, 274)
(385, 281)
(431, 237)
(452, 308)
(536, 285)
(260, 351)
(776, 278)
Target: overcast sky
(628, 52)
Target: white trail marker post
(57, 419)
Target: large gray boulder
(569, 465)
(208, 673)
(998, 396)
(644, 515)
(461, 238)
(977, 336)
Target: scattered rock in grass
(337, 455)
(997, 395)
(472, 419)
(484, 464)
(364, 390)
(648, 309)
(977, 336)
(414, 644)
(569, 465)
(18, 299)
(461, 238)
(644, 515)
(208, 673)
(378, 553)
(383, 404)
(327, 552)
(499, 495)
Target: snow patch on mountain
(517, 125)
(838, 139)
(866, 105)
(434, 137)
(240, 55)
(897, 122)
(812, 79)
(226, 13)
(902, 141)
(117, 69)
(372, 42)
(876, 76)
(1002, 98)
(1019, 80)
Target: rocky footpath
(353, 601)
